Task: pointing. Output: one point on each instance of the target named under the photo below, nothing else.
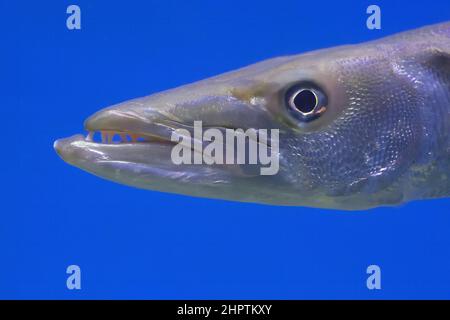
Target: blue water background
(133, 243)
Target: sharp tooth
(104, 136)
(110, 135)
(90, 136)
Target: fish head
(349, 128)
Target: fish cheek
(370, 144)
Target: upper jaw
(157, 117)
(130, 125)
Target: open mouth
(122, 137)
(114, 126)
(140, 156)
(117, 136)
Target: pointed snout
(159, 114)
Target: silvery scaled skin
(383, 139)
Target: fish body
(360, 126)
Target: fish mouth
(109, 138)
(109, 131)
(136, 149)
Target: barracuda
(360, 126)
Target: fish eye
(306, 102)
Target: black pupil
(305, 101)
